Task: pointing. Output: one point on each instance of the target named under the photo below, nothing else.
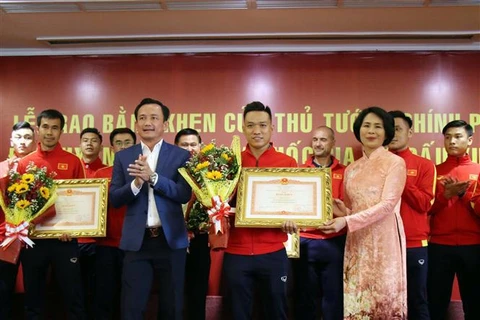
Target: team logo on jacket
(412, 172)
(337, 176)
(62, 166)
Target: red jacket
(4, 168)
(453, 221)
(253, 241)
(92, 167)
(115, 216)
(417, 198)
(65, 164)
(338, 170)
(476, 198)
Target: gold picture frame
(266, 197)
(81, 210)
(292, 245)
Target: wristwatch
(153, 178)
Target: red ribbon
(13, 232)
(218, 213)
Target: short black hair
(401, 115)
(22, 125)
(51, 114)
(458, 124)
(165, 110)
(387, 119)
(257, 106)
(187, 132)
(91, 130)
(120, 131)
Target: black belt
(153, 232)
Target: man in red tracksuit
(63, 255)
(23, 142)
(417, 199)
(257, 256)
(319, 270)
(109, 257)
(90, 145)
(454, 246)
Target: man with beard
(320, 267)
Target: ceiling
(167, 26)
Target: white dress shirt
(153, 218)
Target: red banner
(207, 92)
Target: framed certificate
(292, 245)
(81, 210)
(266, 197)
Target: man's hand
(453, 187)
(334, 225)
(140, 170)
(65, 238)
(289, 227)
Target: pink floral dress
(375, 285)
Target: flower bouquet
(25, 198)
(213, 174)
(197, 218)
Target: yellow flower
(28, 177)
(12, 187)
(22, 204)
(21, 188)
(214, 175)
(207, 148)
(45, 192)
(202, 165)
(226, 157)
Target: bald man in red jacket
(319, 270)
